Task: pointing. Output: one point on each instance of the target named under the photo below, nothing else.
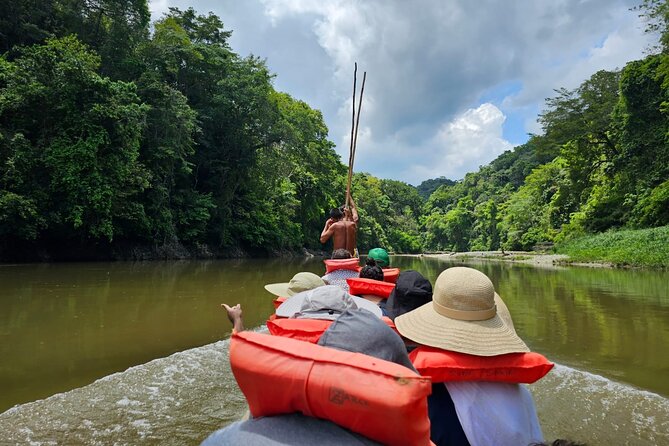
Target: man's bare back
(342, 233)
(351, 235)
(342, 229)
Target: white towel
(493, 413)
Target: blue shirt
(293, 429)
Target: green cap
(380, 255)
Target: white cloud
(624, 42)
(157, 8)
(472, 139)
(429, 63)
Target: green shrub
(643, 247)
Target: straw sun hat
(465, 315)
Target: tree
(656, 13)
(528, 216)
(583, 118)
(374, 208)
(25, 22)
(112, 28)
(451, 230)
(426, 188)
(582, 123)
(306, 158)
(75, 163)
(174, 210)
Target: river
(136, 353)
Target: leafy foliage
(116, 134)
(76, 162)
(426, 188)
(646, 247)
(196, 148)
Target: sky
(451, 84)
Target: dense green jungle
(122, 138)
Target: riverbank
(533, 258)
(174, 250)
(632, 248)
(623, 248)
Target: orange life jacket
(337, 264)
(381, 400)
(308, 330)
(278, 301)
(359, 286)
(444, 365)
(391, 274)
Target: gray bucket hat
(325, 302)
(360, 332)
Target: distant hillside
(426, 188)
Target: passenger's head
(381, 257)
(412, 290)
(336, 214)
(360, 331)
(464, 316)
(371, 270)
(341, 254)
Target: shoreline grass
(641, 247)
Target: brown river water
(136, 353)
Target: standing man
(342, 226)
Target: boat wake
(182, 398)
(176, 400)
(595, 410)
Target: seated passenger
(361, 332)
(300, 282)
(371, 270)
(467, 316)
(326, 302)
(354, 330)
(412, 290)
(292, 429)
(338, 276)
(380, 256)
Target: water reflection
(613, 323)
(64, 325)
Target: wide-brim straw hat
(326, 302)
(300, 282)
(466, 315)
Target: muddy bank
(533, 258)
(172, 250)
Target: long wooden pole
(357, 124)
(350, 150)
